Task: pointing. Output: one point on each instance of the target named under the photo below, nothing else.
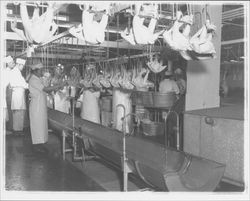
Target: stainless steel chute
(162, 167)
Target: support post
(203, 76)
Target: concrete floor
(28, 171)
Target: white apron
(18, 85)
(61, 102)
(90, 106)
(120, 97)
(18, 99)
(38, 111)
(18, 102)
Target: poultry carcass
(87, 80)
(74, 81)
(128, 35)
(142, 82)
(96, 82)
(125, 82)
(145, 35)
(105, 80)
(115, 80)
(174, 38)
(155, 66)
(32, 27)
(201, 42)
(90, 30)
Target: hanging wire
(188, 9)
(173, 11)
(129, 27)
(117, 35)
(47, 58)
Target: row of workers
(12, 78)
(38, 99)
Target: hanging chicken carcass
(174, 38)
(154, 65)
(40, 28)
(90, 30)
(141, 34)
(73, 81)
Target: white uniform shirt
(16, 79)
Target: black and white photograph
(124, 100)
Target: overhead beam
(74, 41)
(229, 42)
(55, 56)
(232, 14)
(50, 56)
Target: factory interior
(138, 97)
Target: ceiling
(67, 49)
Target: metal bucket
(150, 128)
(106, 104)
(142, 98)
(164, 99)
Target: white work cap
(20, 61)
(8, 59)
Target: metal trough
(162, 167)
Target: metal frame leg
(64, 150)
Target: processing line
(162, 167)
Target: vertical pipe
(166, 131)
(177, 132)
(125, 174)
(170, 66)
(63, 144)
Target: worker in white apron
(18, 101)
(90, 106)
(5, 81)
(38, 108)
(121, 98)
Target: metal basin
(162, 167)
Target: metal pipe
(124, 158)
(177, 129)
